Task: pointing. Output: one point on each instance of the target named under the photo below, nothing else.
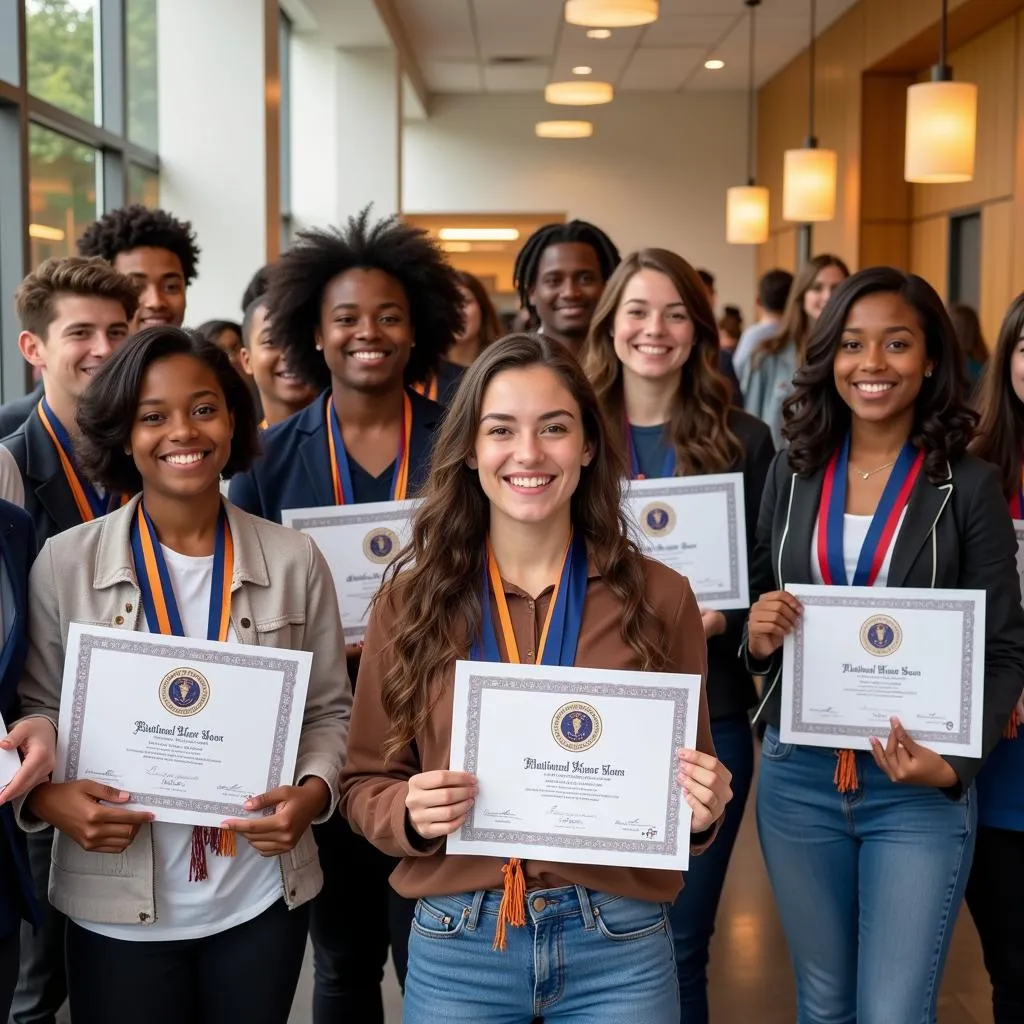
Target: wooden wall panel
(891, 24)
(990, 62)
(997, 283)
(779, 251)
(885, 196)
(1018, 185)
(929, 252)
(885, 245)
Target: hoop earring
(927, 373)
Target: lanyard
(158, 601)
(341, 475)
(87, 499)
(667, 469)
(883, 523)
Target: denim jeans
(868, 884)
(693, 913)
(582, 957)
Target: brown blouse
(373, 794)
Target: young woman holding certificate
(652, 355)
(999, 852)
(519, 552)
(360, 314)
(170, 922)
(868, 853)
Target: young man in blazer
(74, 313)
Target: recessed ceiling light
(582, 69)
(478, 234)
(599, 33)
(714, 65)
(564, 129)
(611, 13)
(579, 93)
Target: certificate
(358, 542)
(697, 526)
(190, 728)
(10, 762)
(860, 655)
(575, 765)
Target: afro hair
(133, 227)
(405, 253)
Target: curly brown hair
(699, 427)
(437, 577)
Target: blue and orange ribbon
(341, 475)
(88, 501)
(162, 615)
(559, 639)
(880, 533)
(668, 467)
(427, 388)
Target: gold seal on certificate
(381, 545)
(881, 636)
(576, 726)
(184, 692)
(658, 519)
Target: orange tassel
(225, 843)
(845, 777)
(513, 902)
(1010, 732)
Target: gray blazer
(282, 595)
(767, 385)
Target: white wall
(213, 142)
(654, 173)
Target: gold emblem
(184, 692)
(881, 636)
(657, 519)
(576, 726)
(381, 545)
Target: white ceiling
(459, 44)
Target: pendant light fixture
(611, 13)
(942, 124)
(746, 206)
(582, 92)
(809, 174)
(563, 129)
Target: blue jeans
(582, 957)
(868, 884)
(693, 913)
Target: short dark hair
(403, 252)
(136, 226)
(706, 277)
(817, 419)
(773, 290)
(211, 330)
(106, 411)
(257, 303)
(35, 301)
(524, 273)
(257, 286)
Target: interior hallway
(750, 978)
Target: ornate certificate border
(182, 654)
(340, 515)
(680, 487)
(877, 605)
(678, 699)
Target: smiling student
(167, 416)
(360, 314)
(652, 356)
(869, 854)
(525, 493)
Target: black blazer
(956, 534)
(48, 498)
(730, 686)
(13, 414)
(295, 472)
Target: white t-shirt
(855, 529)
(238, 888)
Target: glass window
(143, 186)
(61, 54)
(140, 76)
(62, 192)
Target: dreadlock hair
(403, 252)
(133, 227)
(524, 274)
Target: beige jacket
(282, 595)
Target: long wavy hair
(968, 332)
(795, 326)
(1000, 437)
(437, 579)
(816, 419)
(489, 327)
(699, 427)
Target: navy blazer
(294, 470)
(956, 534)
(14, 413)
(48, 497)
(18, 550)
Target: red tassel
(1010, 732)
(197, 871)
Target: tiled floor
(750, 974)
